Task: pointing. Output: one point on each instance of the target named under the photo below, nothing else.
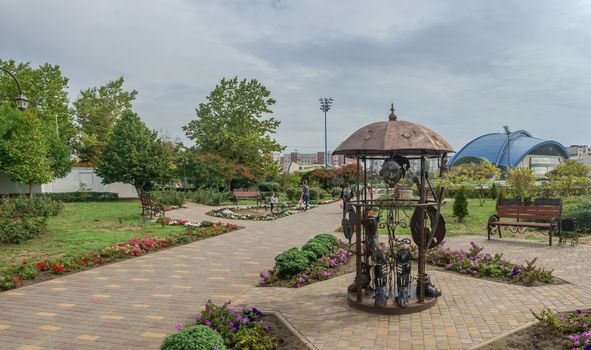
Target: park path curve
(134, 303)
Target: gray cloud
(462, 68)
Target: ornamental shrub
(23, 218)
(195, 338)
(269, 187)
(254, 338)
(168, 197)
(206, 223)
(80, 196)
(291, 262)
(318, 247)
(327, 237)
(208, 196)
(460, 207)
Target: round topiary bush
(328, 238)
(318, 247)
(291, 262)
(197, 337)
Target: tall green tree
(97, 110)
(25, 150)
(46, 87)
(135, 155)
(232, 124)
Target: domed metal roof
(500, 149)
(393, 137)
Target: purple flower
(178, 327)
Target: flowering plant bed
(475, 263)
(33, 271)
(568, 330)
(321, 258)
(253, 212)
(237, 328)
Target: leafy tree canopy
(46, 89)
(232, 125)
(133, 154)
(97, 110)
(25, 149)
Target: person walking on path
(273, 202)
(306, 195)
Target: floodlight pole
(325, 104)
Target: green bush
(315, 193)
(293, 193)
(254, 338)
(334, 242)
(23, 218)
(291, 262)
(18, 229)
(269, 187)
(168, 197)
(318, 247)
(80, 196)
(580, 209)
(460, 207)
(206, 223)
(195, 338)
(208, 196)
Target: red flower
(24, 263)
(84, 262)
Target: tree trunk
(30, 190)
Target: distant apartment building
(295, 161)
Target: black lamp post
(22, 102)
(508, 146)
(325, 104)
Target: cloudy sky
(462, 68)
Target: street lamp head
(22, 102)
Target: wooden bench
(541, 214)
(245, 194)
(148, 206)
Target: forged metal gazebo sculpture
(378, 267)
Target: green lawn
(473, 224)
(83, 227)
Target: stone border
(501, 336)
(292, 329)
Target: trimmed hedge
(80, 196)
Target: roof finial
(392, 116)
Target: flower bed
(244, 328)
(574, 327)
(253, 212)
(319, 259)
(476, 263)
(16, 276)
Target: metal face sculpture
(394, 170)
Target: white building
(77, 179)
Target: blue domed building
(517, 149)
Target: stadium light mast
(506, 128)
(325, 104)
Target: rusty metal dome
(393, 137)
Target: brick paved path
(133, 304)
